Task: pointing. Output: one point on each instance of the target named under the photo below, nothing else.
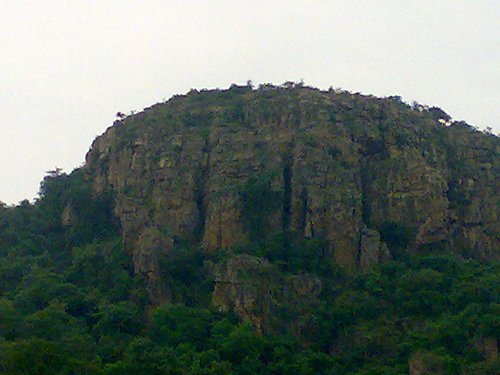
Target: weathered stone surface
(336, 163)
(255, 290)
(245, 285)
(405, 188)
(488, 347)
(372, 249)
(425, 363)
(305, 286)
(68, 216)
(150, 245)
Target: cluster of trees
(71, 304)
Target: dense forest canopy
(73, 300)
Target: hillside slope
(373, 177)
(283, 230)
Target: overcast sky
(66, 67)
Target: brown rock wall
(339, 164)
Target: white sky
(66, 67)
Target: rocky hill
(373, 177)
(279, 230)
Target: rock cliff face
(422, 363)
(373, 177)
(255, 291)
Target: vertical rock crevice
(305, 225)
(287, 194)
(365, 207)
(201, 178)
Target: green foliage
(397, 237)
(187, 278)
(176, 324)
(11, 322)
(40, 356)
(258, 200)
(118, 319)
(101, 267)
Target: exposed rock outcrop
(372, 249)
(68, 216)
(425, 363)
(255, 290)
(488, 347)
(335, 166)
(246, 285)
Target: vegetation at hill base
(70, 304)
